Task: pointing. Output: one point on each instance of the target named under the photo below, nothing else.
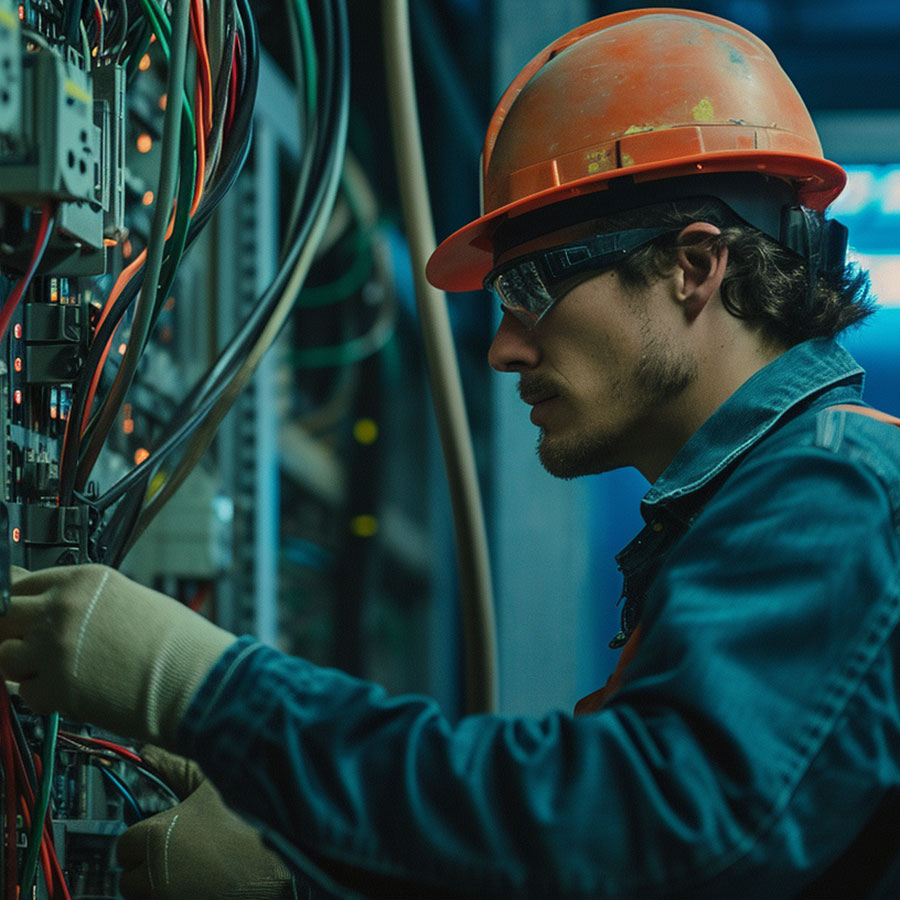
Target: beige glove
(199, 849)
(87, 642)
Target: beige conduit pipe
(443, 369)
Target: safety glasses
(528, 286)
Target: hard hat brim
(462, 260)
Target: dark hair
(765, 283)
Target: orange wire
(203, 98)
(201, 154)
(198, 30)
(124, 277)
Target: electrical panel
(308, 519)
(80, 125)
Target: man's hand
(87, 642)
(199, 849)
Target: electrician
(653, 191)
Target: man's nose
(513, 348)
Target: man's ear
(700, 266)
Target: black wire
(117, 29)
(328, 155)
(234, 154)
(231, 357)
(24, 749)
(74, 12)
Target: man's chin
(569, 460)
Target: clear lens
(522, 292)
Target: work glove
(87, 642)
(199, 849)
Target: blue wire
(122, 788)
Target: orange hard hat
(637, 97)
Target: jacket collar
(795, 378)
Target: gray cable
(443, 370)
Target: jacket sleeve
(749, 744)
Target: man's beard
(661, 375)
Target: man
(670, 300)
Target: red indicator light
(16, 535)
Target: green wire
(309, 55)
(39, 816)
(353, 351)
(162, 28)
(159, 21)
(345, 285)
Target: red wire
(108, 745)
(9, 778)
(12, 301)
(53, 873)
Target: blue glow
(870, 207)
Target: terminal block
(62, 144)
(59, 156)
(45, 536)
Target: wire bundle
(203, 155)
(206, 139)
(324, 104)
(27, 781)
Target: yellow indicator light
(144, 142)
(122, 349)
(147, 199)
(365, 431)
(144, 64)
(128, 426)
(364, 526)
(140, 455)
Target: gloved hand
(87, 642)
(199, 849)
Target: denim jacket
(752, 749)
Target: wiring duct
(446, 388)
